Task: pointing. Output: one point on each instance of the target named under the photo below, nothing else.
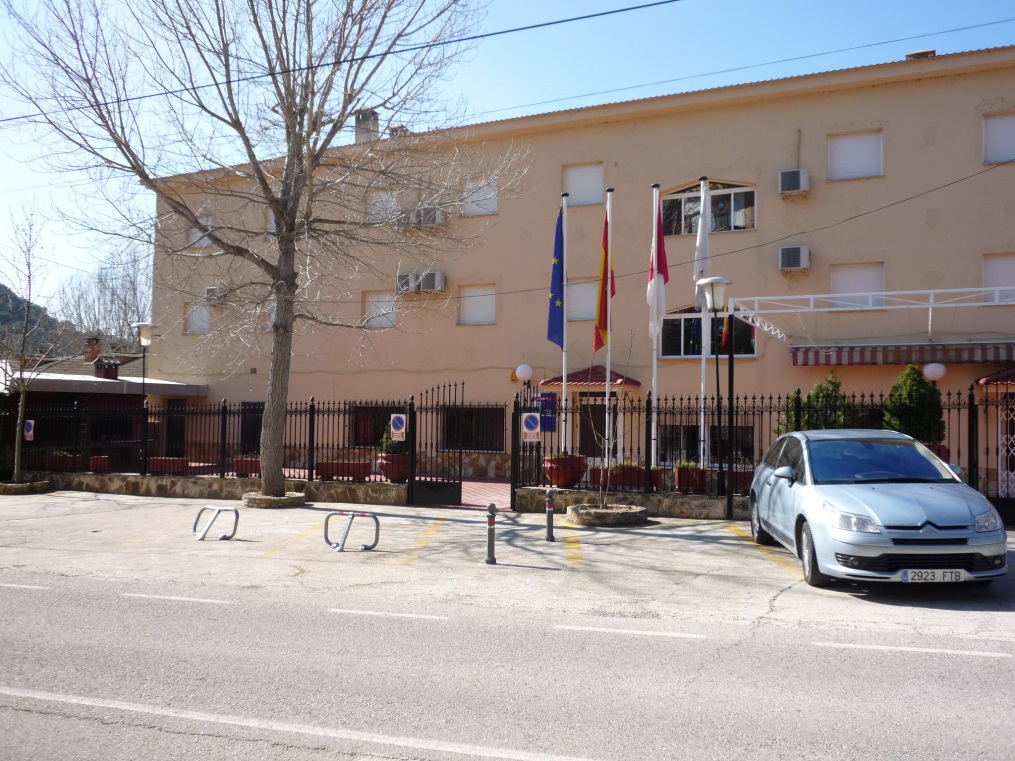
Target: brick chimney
(367, 125)
(93, 348)
(108, 368)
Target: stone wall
(659, 504)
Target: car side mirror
(785, 472)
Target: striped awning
(806, 356)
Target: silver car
(874, 506)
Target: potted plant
(627, 475)
(354, 470)
(689, 476)
(743, 475)
(98, 463)
(247, 465)
(564, 470)
(393, 460)
(65, 461)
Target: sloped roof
(1001, 378)
(591, 376)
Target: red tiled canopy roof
(1002, 378)
(591, 376)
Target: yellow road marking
(273, 552)
(424, 540)
(573, 549)
(774, 554)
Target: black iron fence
(678, 443)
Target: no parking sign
(398, 427)
(530, 426)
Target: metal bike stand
(215, 514)
(340, 545)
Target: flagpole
(701, 256)
(609, 315)
(657, 336)
(563, 391)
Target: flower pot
(394, 467)
(168, 466)
(98, 463)
(66, 462)
(690, 479)
(354, 471)
(623, 477)
(247, 466)
(742, 481)
(564, 471)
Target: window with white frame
(478, 305)
(998, 138)
(382, 206)
(480, 198)
(196, 238)
(731, 207)
(999, 272)
(198, 320)
(379, 310)
(852, 284)
(681, 336)
(583, 184)
(856, 155)
(581, 300)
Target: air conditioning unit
(794, 258)
(432, 281)
(793, 182)
(406, 282)
(428, 216)
(214, 295)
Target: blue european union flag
(555, 317)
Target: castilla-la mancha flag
(658, 276)
(602, 337)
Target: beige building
(865, 218)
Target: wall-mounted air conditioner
(794, 258)
(406, 282)
(793, 182)
(214, 295)
(432, 281)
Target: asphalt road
(123, 637)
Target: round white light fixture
(523, 372)
(934, 371)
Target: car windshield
(847, 461)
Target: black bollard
(549, 515)
(490, 521)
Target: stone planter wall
(659, 504)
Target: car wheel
(809, 559)
(758, 533)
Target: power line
(357, 59)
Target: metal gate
(435, 433)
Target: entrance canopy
(594, 376)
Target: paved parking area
(670, 567)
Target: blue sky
(677, 47)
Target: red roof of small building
(591, 376)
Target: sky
(638, 53)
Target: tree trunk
(273, 426)
(19, 434)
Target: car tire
(809, 559)
(758, 532)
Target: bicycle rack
(215, 514)
(340, 546)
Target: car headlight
(850, 521)
(988, 521)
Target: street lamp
(144, 337)
(714, 289)
(524, 373)
(934, 372)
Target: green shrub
(913, 407)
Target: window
(196, 238)
(480, 198)
(474, 428)
(853, 156)
(678, 443)
(382, 206)
(998, 138)
(743, 444)
(379, 310)
(682, 336)
(732, 208)
(999, 272)
(369, 422)
(198, 319)
(581, 300)
(479, 306)
(583, 184)
(856, 282)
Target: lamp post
(144, 337)
(524, 373)
(934, 372)
(714, 289)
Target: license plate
(935, 575)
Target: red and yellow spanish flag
(602, 336)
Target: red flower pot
(98, 463)
(394, 467)
(564, 471)
(690, 479)
(354, 471)
(247, 466)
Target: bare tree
(232, 113)
(30, 340)
(110, 300)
